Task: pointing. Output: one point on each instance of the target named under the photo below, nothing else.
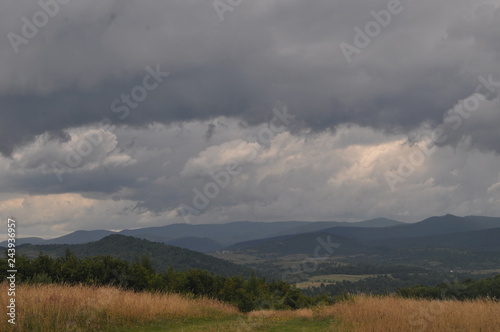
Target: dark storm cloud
(415, 70)
(473, 123)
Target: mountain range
(288, 237)
(209, 237)
(438, 243)
(449, 231)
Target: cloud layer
(147, 175)
(85, 98)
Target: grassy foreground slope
(81, 308)
(54, 307)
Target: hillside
(321, 225)
(439, 243)
(301, 244)
(131, 248)
(79, 237)
(468, 233)
(201, 244)
(483, 240)
(431, 226)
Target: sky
(124, 114)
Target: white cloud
(87, 148)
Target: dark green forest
(468, 289)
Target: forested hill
(130, 248)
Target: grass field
(237, 324)
(81, 308)
(78, 308)
(316, 281)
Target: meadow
(85, 308)
(328, 279)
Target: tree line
(247, 294)
(468, 289)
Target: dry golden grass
(393, 314)
(83, 308)
(397, 314)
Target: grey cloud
(353, 121)
(315, 177)
(474, 125)
(91, 53)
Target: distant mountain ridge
(482, 240)
(211, 237)
(446, 243)
(79, 237)
(427, 227)
(24, 240)
(476, 234)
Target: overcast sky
(122, 114)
